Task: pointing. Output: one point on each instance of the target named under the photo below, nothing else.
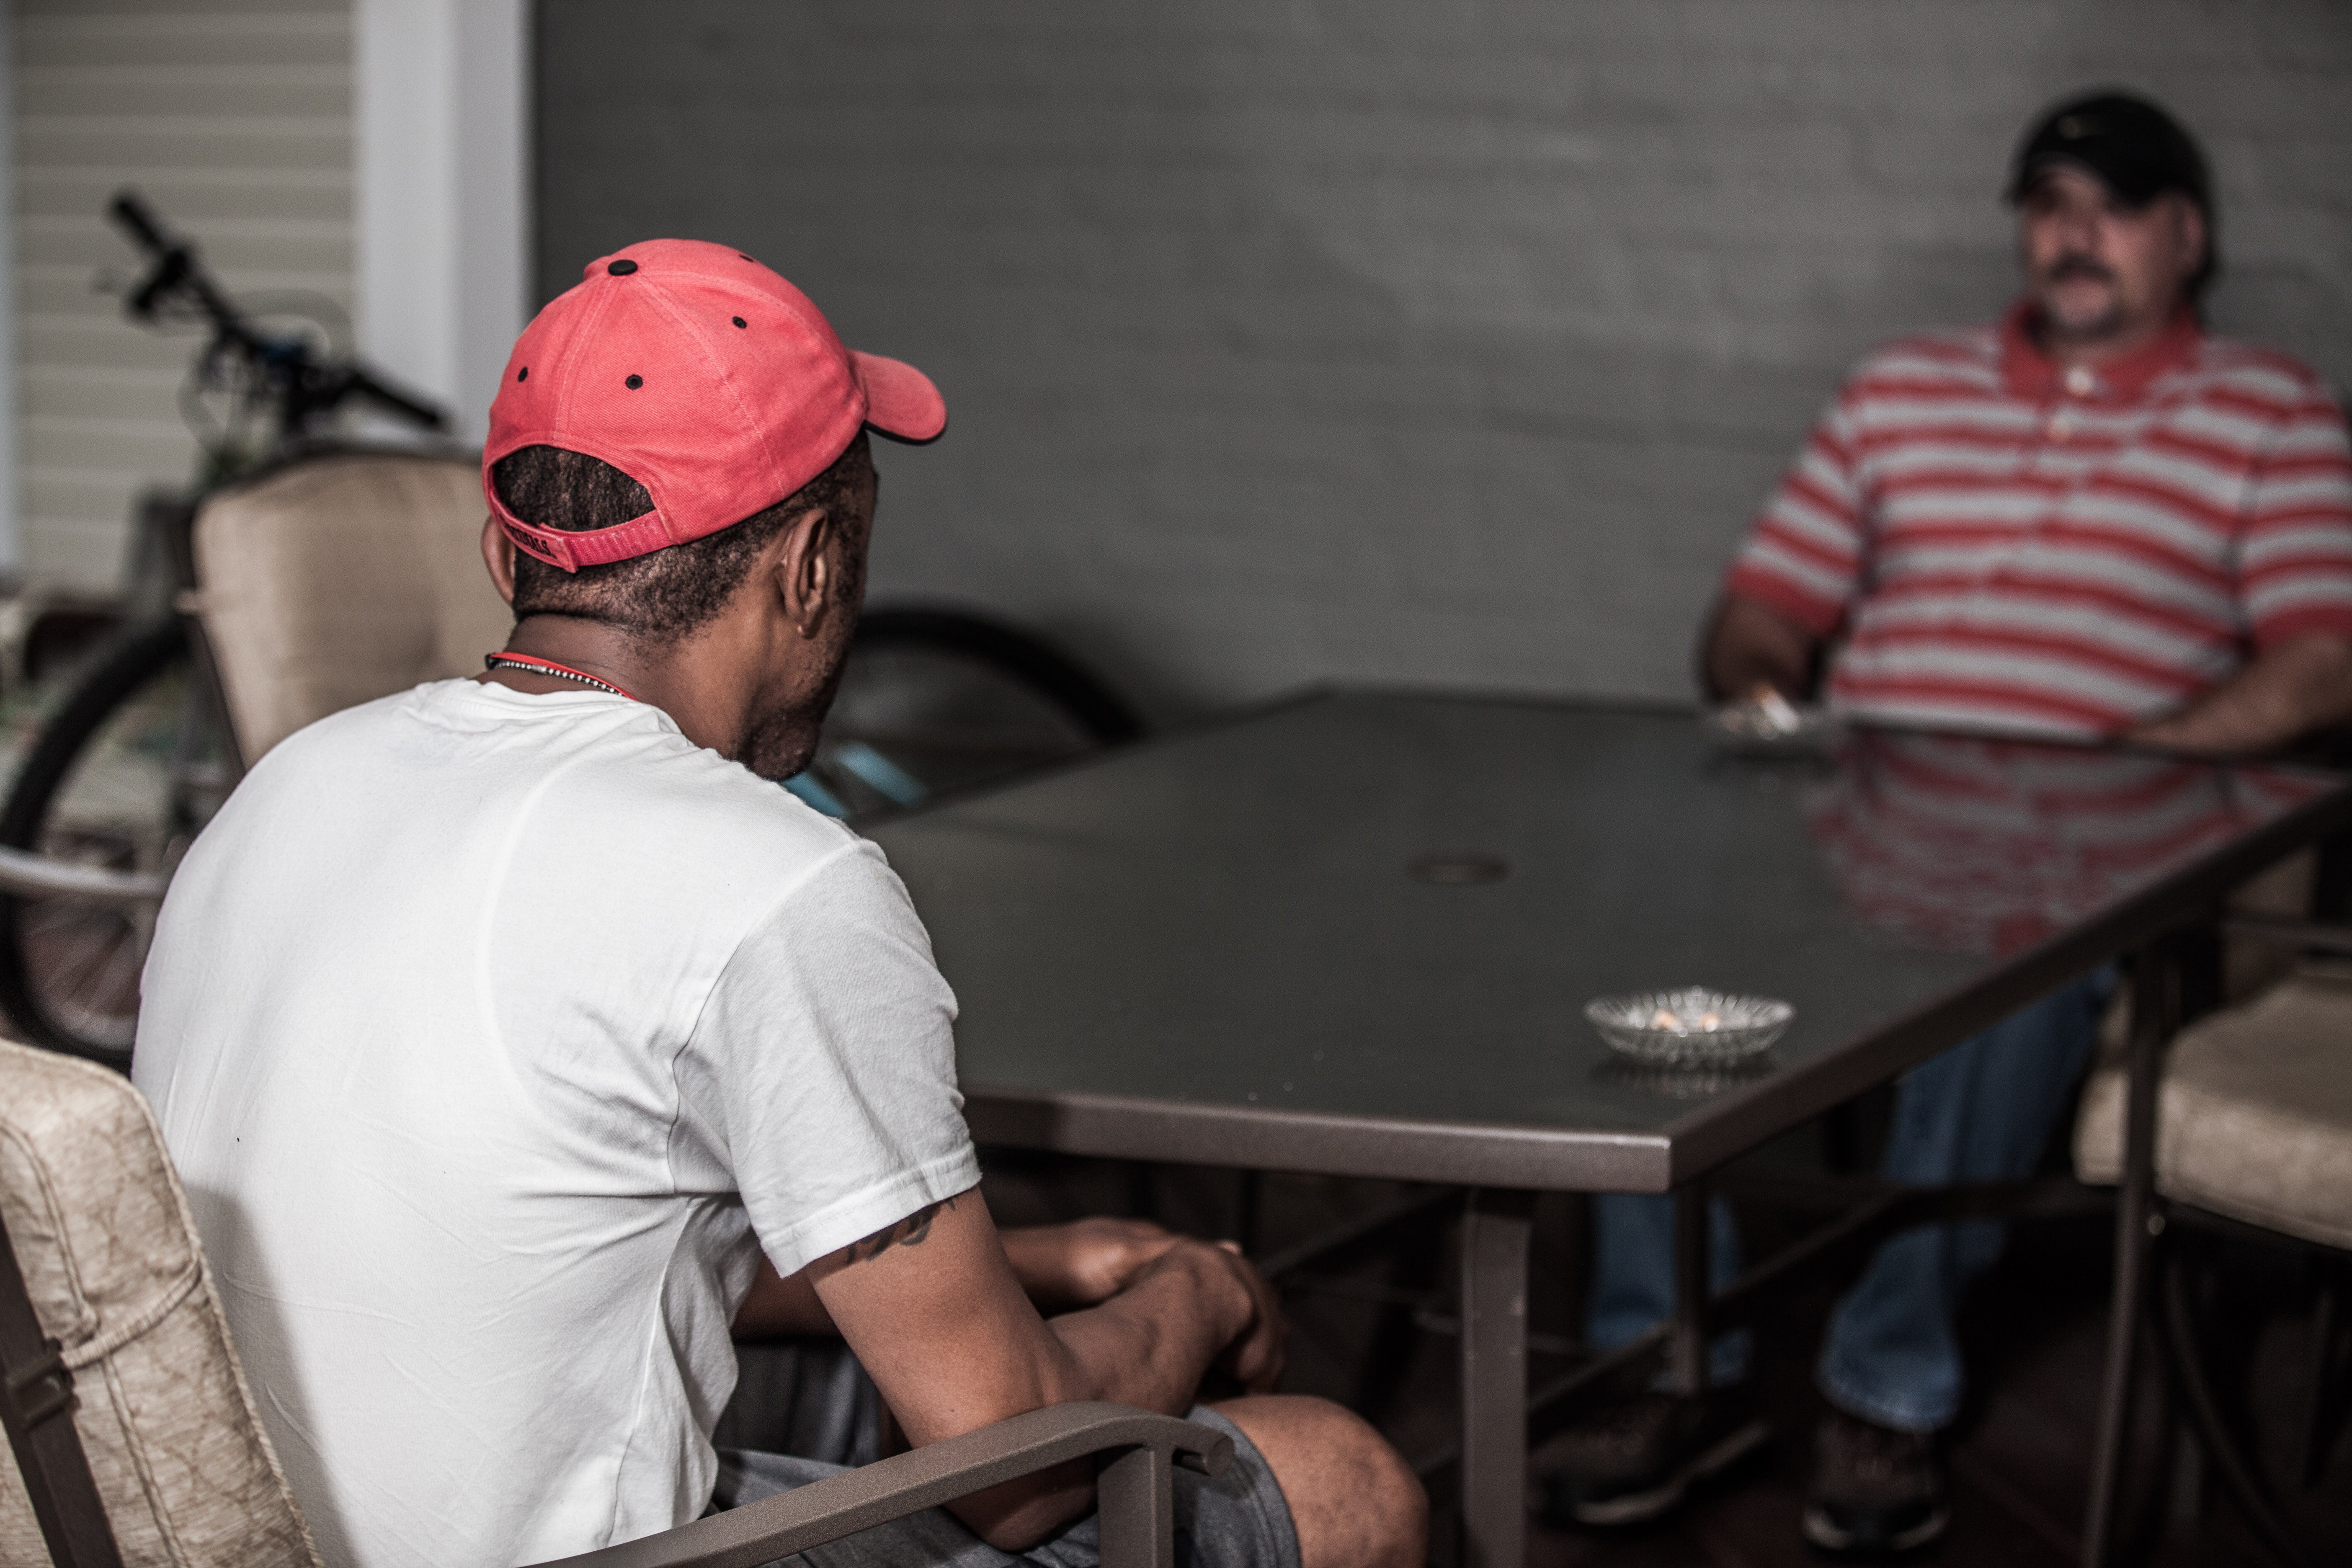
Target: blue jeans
(1982, 1112)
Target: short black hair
(668, 593)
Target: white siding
(233, 117)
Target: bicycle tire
(934, 702)
(1098, 710)
(139, 656)
(148, 651)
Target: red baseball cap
(701, 374)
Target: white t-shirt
(486, 1030)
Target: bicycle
(136, 758)
(132, 763)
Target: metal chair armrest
(1133, 1486)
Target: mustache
(2075, 264)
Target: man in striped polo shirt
(2089, 520)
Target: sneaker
(1634, 1459)
(1875, 1490)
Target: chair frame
(166, 525)
(2188, 1233)
(2175, 980)
(37, 1406)
(1136, 1452)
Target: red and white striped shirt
(1961, 844)
(1999, 544)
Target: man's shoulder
(620, 777)
(2254, 374)
(331, 758)
(655, 797)
(1949, 357)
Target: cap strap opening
(571, 550)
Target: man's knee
(1353, 1501)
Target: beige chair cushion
(110, 1255)
(2254, 1115)
(341, 580)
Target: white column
(442, 112)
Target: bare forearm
(1082, 1262)
(1147, 1347)
(932, 1309)
(1750, 643)
(1060, 1267)
(2296, 687)
(1151, 1345)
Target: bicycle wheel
(935, 700)
(123, 776)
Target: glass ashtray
(1683, 1081)
(1770, 727)
(1691, 1024)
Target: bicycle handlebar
(415, 410)
(175, 268)
(133, 216)
(305, 386)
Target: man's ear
(497, 554)
(803, 565)
(2190, 228)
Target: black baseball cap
(2135, 148)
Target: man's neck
(2107, 348)
(656, 678)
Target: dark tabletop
(1228, 945)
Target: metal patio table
(1353, 933)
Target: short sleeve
(2294, 555)
(1803, 555)
(820, 1076)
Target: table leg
(1686, 1350)
(1495, 1225)
(2151, 1025)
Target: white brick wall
(1394, 339)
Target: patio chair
(334, 578)
(137, 1438)
(340, 578)
(2252, 1137)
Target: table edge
(1269, 1138)
(1507, 1154)
(1723, 1127)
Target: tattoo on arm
(912, 1231)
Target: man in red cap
(2089, 522)
(518, 1038)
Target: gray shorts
(1236, 1521)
